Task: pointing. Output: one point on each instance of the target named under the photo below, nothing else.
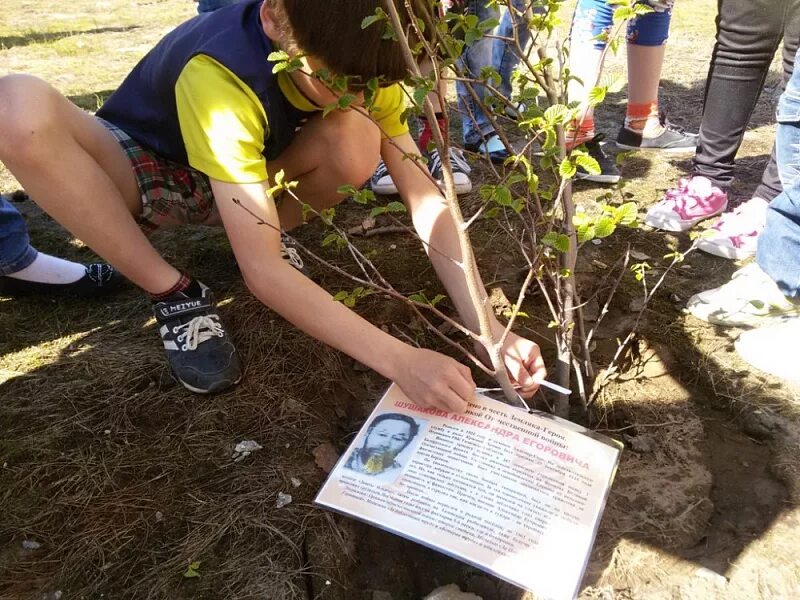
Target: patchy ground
(122, 479)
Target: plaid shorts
(172, 194)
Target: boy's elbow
(261, 278)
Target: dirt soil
(114, 479)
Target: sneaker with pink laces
(692, 201)
(735, 234)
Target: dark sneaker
(609, 173)
(198, 350)
(381, 182)
(672, 139)
(458, 164)
(100, 279)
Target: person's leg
(16, 252)
(475, 125)
(343, 148)
(647, 42)
(773, 349)
(75, 170)
(645, 127)
(735, 234)
(506, 55)
(591, 21)
(779, 244)
(592, 18)
(748, 34)
(770, 185)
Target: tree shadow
(44, 37)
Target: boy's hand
(523, 359)
(434, 380)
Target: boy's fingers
(461, 383)
(454, 402)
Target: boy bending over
(196, 128)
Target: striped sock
(643, 118)
(185, 286)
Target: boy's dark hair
(330, 30)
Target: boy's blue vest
(144, 105)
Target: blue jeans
(487, 52)
(779, 244)
(594, 17)
(204, 6)
(16, 251)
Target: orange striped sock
(643, 118)
(580, 132)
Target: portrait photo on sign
(386, 446)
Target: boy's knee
(354, 144)
(27, 111)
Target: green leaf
(437, 298)
(627, 214)
(597, 95)
(589, 163)
(418, 298)
(380, 15)
(341, 295)
(277, 56)
(516, 178)
(556, 240)
(581, 219)
(556, 114)
(396, 207)
(623, 14)
(331, 238)
(585, 234)
(327, 215)
(329, 108)
(604, 227)
(567, 168)
(193, 571)
(346, 100)
(378, 210)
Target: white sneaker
(750, 299)
(735, 234)
(381, 182)
(458, 165)
(772, 349)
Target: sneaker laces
(380, 171)
(200, 329)
(667, 124)
(99, 273)
(457, 161)
(692, 193)
(292, 256)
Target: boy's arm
(434, 224)
(428, 378)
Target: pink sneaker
(689, 203)
(735, 234)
